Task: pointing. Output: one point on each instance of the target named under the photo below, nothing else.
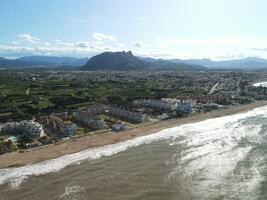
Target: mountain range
(42, 62)
(127, 61)
(245, 63)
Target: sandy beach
(15, 159)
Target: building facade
(30, 128)
(89, 120)
(126, 115)
(58, 124)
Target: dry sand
(15, 159)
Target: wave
(15, 176)
(74, 192)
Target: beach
(16, 159)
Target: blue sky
(216, 29)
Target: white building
(162, 105)
(30, 128)
(166, 104)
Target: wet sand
(15, 159)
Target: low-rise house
(163, 116)
(184, 107)
(241, 99)
(118, 127)
(33, 144)
(3, 96)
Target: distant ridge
(245, 63)
(54, 60)
(128, 62)
(41, 62)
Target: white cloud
(98, 43)
(83, 44)
(15, 42)
(103, 37)
(27, 38)
(229, 56)
(161, 54)
(120, 45)
(203, 48)
(138, 44)
(64, 44)
(259, 49)
(59, 48)
(47, 44)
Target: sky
(185, 29)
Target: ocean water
(220, 158)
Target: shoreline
(16, 159)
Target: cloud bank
(103, 37)
(220, 48)
(27, 38)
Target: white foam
(15, 176)
(74, 192)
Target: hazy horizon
(143, 56)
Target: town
(41, 107)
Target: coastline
(15, 159)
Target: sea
(219, 158)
